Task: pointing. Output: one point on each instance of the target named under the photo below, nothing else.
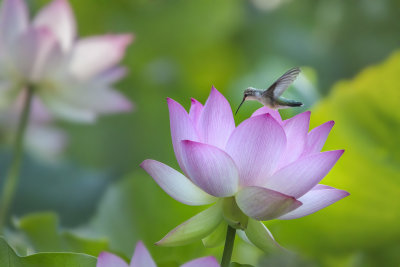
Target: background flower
(73, 78)
(142, 258)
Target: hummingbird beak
(244, 98)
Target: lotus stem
(11, 180)
(228, 248)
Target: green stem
(228, 248)
(11, 180)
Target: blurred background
(93, 196)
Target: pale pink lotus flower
(73, 78)
(142, 258)
(263, 169)
(42, 138)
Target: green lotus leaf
(8, 258)
(44, 234)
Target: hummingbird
(271, 97)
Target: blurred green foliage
(367, 126)
(67, 188)
(8, 258)
(181, 49)
(42, 231)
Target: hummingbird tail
(294, 104)
(283, 102)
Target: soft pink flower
(42, 138)
(263, 169)
(142, 258)
(73, 78)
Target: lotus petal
(316, 137)
(256, 146)
(211, 168)
(196, 228)
(88, 60)
(264, 204)
(182, 128)
(59, 18)
(216, 120)
(298, 178)
(264, 110)
(106, 259)
(296, 129)
(318, 198)
(195, 111)
(13, 20)
(202, 262)
(175, 184)
(142, 257)
(259, 235)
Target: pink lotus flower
(142, 258)
(73, 78)
(263, 169)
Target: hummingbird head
(249, 92)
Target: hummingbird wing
(278, 87)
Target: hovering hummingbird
(271, 97)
